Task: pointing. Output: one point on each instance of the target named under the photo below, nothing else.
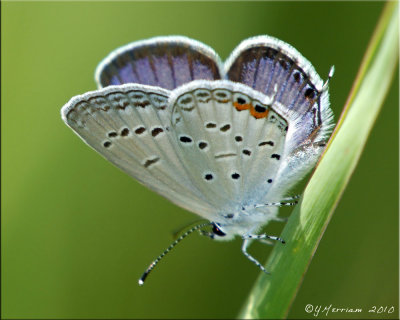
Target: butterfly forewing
(230, 142)
(166, 62)
(130, 126)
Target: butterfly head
(230, 228)
(217, 231)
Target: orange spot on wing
(253, 112)
(258, 115)
(241, 107)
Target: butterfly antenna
(171, 246)
(176, 232)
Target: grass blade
(272, 296)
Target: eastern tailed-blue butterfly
(224, 140)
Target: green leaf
(272, 296)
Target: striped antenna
(171, 246)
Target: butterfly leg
(262, 236)
(246, 243)
(276, 204)
(297, 196)
(288, 202)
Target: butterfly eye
(217, 231)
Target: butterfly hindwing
(230, 141)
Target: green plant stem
(272, 296)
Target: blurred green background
(77, 232)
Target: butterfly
(227, 141)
